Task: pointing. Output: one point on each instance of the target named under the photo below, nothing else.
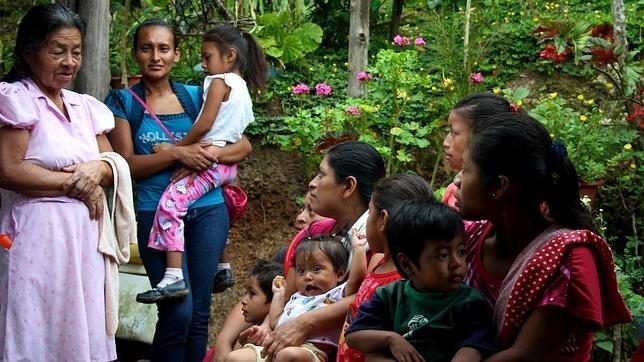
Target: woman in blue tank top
(182, 330)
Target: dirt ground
(272, 179)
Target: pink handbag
(234, 196)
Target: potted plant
(596, 145)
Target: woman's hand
(194, 156)
(94, 202)
(403, 351)
(291, 333)
(85, 179)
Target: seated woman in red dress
(551, 279)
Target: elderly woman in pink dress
(52, 277)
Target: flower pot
(589, 189)
(115, 83)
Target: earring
(493, 195)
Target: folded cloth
(117, 232)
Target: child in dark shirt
(430, 316)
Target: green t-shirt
(437, 324)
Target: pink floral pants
(167, 229)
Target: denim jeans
(182, 330)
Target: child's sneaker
(175, 290)
(223, 280)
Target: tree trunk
(396, 15)
(358, 46)
(94, 75)
(619, 26)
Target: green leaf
(292, 49)
(396, 131)
(311, 36)
(606, 346)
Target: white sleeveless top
(234, 114)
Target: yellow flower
(633, 166)
(552, 95)
(580, 97)
(297, 141)
(522, 13)
(311, 69)
(519, 103)
(447, 82)
(434, 88)
(451, 88)
(609, 85)
(552, 135)
(493, 66)
(496, 90)
(600, 111)
(583, 118)
(590, 102)
(628, 146)
(535, 19)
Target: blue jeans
(182, 330)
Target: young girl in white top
(231, 60)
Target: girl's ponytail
(257, 66)
(562, 190)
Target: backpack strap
(135, 110)
(189, 97)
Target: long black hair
(35, 27)
(519, 147)
(360, 160)
(250, 56)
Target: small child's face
(255, 305)
(213, 61)
(375, 229)
(441, 266)
(315, 274)
(456, 140)
(306, 215)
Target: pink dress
(52, 278)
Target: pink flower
(420, 42)
(322, 89)
(364, 75)
(301, 89)
(354, 111)
(476, 78)
(401, 40)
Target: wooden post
(358, 46)
(94, 75)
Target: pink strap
(163, 127)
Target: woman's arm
(22, 176)
(216, 94)
(358, 263)
(542, 336)
(143, 166)
(297, 331)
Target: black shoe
(223, 280)
(171, 291)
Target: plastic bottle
(5, 241)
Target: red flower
(604, 31)
(550, 52)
